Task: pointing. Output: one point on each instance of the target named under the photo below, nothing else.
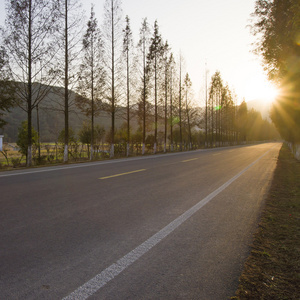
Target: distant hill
(51, 117)
(261, 106)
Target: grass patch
(272, 271)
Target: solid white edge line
(100, 280)
(93, 164)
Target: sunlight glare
(263, 90)
(269, 93)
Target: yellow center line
(216, 154)
(112, 176)
(190, 159)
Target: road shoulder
(272, 269)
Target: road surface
(174, 226)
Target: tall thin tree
(180, 101)
(171, 86)
(206, 108)
(27, 36)
(144, 48)
(166, 85)
(69, 37)
(215, 95)
(127, 50)
(91, 79)
(112, 38)
(154, 60)
(187, 88)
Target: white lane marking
(122, 174)
(83, 165)
(100, 280)
(188, 160)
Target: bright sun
(261, 90)
(268, 93)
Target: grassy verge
(272, 270)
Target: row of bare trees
(46, 44)
(227, 123)
(40, 39)
(221, 114)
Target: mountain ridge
(260, 106)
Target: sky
(210, 34)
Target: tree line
(47, 43)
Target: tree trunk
(38, 130)
(66, 154)
(128, 108)
(92, 133)
(29, 100)
(171, 110)
(166, 110)
(188, 120)
(112, 151)
(180, 121)
(144, 100)
(92, 92)
(212, 123)
(155, 105)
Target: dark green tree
(22, 140)
(277, 23)
(6, 88)
(242, 121)
(71, 134)
(85, 134)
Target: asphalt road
(174, 226)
